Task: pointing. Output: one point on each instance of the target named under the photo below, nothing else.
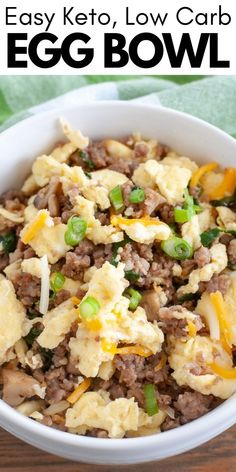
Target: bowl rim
(205, 427)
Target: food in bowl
(118, 288)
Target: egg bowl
(187, 135)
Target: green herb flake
(32, 335)
(207, 237)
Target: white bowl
(23, 142)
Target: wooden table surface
(219, 455)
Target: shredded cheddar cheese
(36, 225)
(225, 372)
(196, 177)
(227, 185)
(75, 300)
(112, 349)
(108, 347)
(119, 220)
(220, 309)
(74, 396)
(93, 325)
(192, 330)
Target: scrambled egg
(117, 149)
(97, 194)
(218, 263)
(87, 350)
(210, 181)
(226, 218)
(45, 167)
(32, 266)
(57, 323)
(198, 353)
(62, 153)
(75, 137)
(143, 230)
(192, 230)
(9, 215)
(109, 178)
(48, 240)
(107, 285)
(29, 187)
(116, 417)
(71, 285)
(30, 212)
(95, 231)
(113, 324)
(170, 180)
(184, 314)
(172, 159)
(12, 269)
(13, 320)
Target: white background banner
(117, 37)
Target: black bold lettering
(65, 51)
(13, 50)
(214, 61)
(176, 58)
(33, 50)
(133, 50)
(111, 49)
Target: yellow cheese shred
(192, 330)
(112, 349)
(35, 226)
(74, 396)
(226, 187)
(196, 177)
(221, 312)
(226, 373)
(75, 300)
(119, 220)
(94, 325)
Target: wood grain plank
(219, 455)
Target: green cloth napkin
(211, 98)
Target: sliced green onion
(151, 404)
(116, 198)
(183, 215)
(57, 282)
(89, 308)
(188, 199)
(76, 229)
(86, 159)
(31, 315)
(137, 195)
(134, 298)
(197, 208)
(227, 201)
(32, 335)
(187, 297)
(207, 237)
(9, 242)
(47, 356)
(131, 275)
(88, 175)
(177, 248)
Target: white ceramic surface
(23, 142)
